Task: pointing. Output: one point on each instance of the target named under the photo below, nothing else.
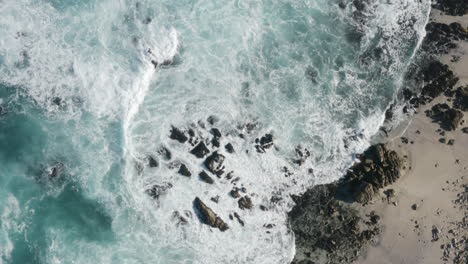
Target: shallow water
(79, 92)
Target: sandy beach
(422, 223)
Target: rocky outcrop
(442, 37)
(379, 167)
(461, 100)
(207, 216)
(328, 230)
(200, 150)
(178, 135)
(452, 7)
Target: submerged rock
(158, 189)
(200, 150)
(165, 153)
(207, 216)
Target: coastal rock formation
(461, 101)
(326, 229)
(214, 162)
(378, 168)
(207, 216)
(452, 7)
(441, 37)
(200, 150)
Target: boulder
(165, 153)
(229, 148)
(152, 162)
(216, 133)
(214, 162)
(205, 177)
(245, 203)
(178, 135)
(184, 171)
(451, 118)
(200, 150)
(461, 100)
(207, 216)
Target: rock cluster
(328, 230)
(452, 7)
(379, 167)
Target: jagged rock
(215, 199)
(205, 177)
(266, 141)
(216, 133)
(229, 148)
(461, 101)
(235, 192)
(178, 135)
(439, 78)
(184, 171)
(214, 162)
(200, 150)
(158, 189)
(441, 37)
(215, 142)
(378, 168)
(207, 216)
(451, 118)
(152, 162)
(245, 203)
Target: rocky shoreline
(334, 223)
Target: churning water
(82, 101)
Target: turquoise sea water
(81, 100)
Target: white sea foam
(287, 66)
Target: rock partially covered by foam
(178, 135)
(214, 162)
(452, 7)
(207, 216)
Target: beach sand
(433, 178)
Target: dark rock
(441, 37)
(263, 208)
(184, 171)
(266, 141)
(450, 119)
(165, 153)
(378, 168)
(200, 150)
(216, 133)
(438, 78)
(215, 199)
(158, 189)
(229, 148)
(214, 162)
(205, 177)
(236, 215)
(152, 162)
(215, 142)
(230, 175)
(414, 207)
(178, 135)
(245, 203)
(451, 142)
(207, 216)
(461, 101)
(235, 193)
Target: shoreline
(419, 218)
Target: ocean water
(79, 93)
